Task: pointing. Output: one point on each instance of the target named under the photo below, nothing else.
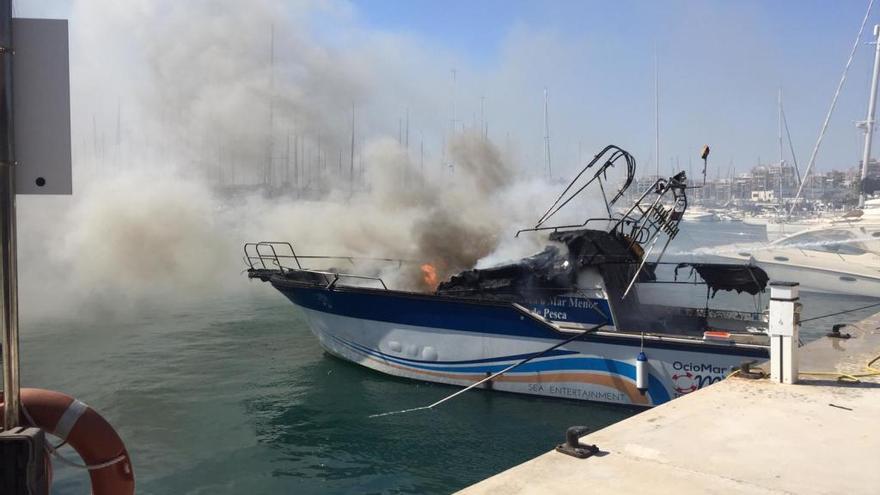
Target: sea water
(234, 395)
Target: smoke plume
(201, 125)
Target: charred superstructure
(616, 249)
(550, 272)
(586, 281)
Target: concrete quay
(820, 435)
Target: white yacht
(778, 228)
(699, 215)
(841, 257)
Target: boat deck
(738, 436)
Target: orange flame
(429, 275)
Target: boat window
(826, 241)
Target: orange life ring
(87, 432)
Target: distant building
(766, 195)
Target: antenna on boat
(869, 120)
(705, 156)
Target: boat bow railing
(274, 258)
(266, 257)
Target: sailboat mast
(779, 139)
(779, 125)
(869, 120)
(269, 173)
(547, 135)
(351, 155)
(852, 54)
(657, 112)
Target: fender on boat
(93, 438)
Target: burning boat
(567, 322)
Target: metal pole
(351, 156)
(869, 120)
(8, 269)
(779, 125)
(547, 136)
(657, 111)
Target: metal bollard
(784, 328)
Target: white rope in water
(402, 411)
(484, 380)
(831, 109)
(90, 467)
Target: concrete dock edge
(738, 436)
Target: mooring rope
(841, 312)
(495, 375)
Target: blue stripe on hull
(656, 390)
(423, 312)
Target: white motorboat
(778, 228)
(697, 215)
(730, 216)
(841, 257)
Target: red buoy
(96, 442)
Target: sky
(721, 65)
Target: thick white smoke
(450, 221)
(201, 125)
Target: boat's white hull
(819, 280)
(699, 217)
(778, 230)
(782, 265)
